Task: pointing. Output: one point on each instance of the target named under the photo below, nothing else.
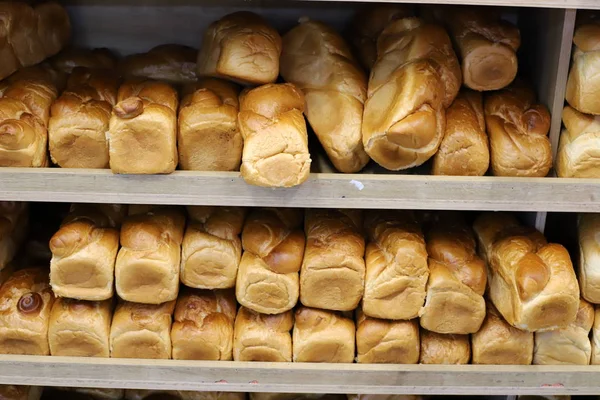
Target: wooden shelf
(385, 191)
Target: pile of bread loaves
(175, 107)
(313, 286)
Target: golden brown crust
(582, 84)
(577, 155)
(171, 63)
(439, 348)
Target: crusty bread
(79, 328)
(317, 60)
(13, 392)
(212, 248)
(240, 47)
(437, 348)
(26, 300)
(589, 257)
(386, 341)
(142, 133)
(332, 276)
(72, 58)
(584, 77)
(171, 63)
(396, 266)
(579, 146)
(464, 149)
(518, 130)
(14, 221)
(141, 330)
(203, 325)
(323, 336)
(208, 138)
(262, 337)
(275, 150)
(147, 266)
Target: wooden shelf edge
(298, 378)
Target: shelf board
(299, 377)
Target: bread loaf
(43, 71)
(437, 348)
(317, 60)
(584, 78)
(532, 283)
(203, 326)
(499, 343)
(79, 120)
(275, 150)
(273, 243)
(240, 47)
(84, 251)
(171, 63)
(332, 276)
(595, 359)
(147, 266)
(80, 328)
(142, 131)
(141, 330)
(578, 149)
(570, 345)
(212, 248)
(208, 137)
(464, 149)
(385, 341)
(396, 261)
(262, 337)
(72, 58)
(26, 301)
(589, 257)
(14, 221)
(13, 392)
(518, 130)
(457, 280)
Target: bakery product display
(577, 155)
(26, 300)
(74, 57)
(141, 330)
(396, 266)
(203, 325)
(208, 138)
(262, 337)
(142, 132)
(583, 81)
(532, 283)
(332, 276)
(464, 149)
(14, 392)
(275, 150)
(273, 242)
(438, 348)
(241, 47)
(171, 63)
(570, 345)
(518, 130)
(147, 266)
(486, 45)
(316, 59)
(589, 253)
(14, 223)
(385, 341)
(79, 328)
(457, 280)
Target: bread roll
(203, 326)
(323, 336)
(13, 392)
(333, 272)
(499, 343)
(171, 63)
(396, 261)
(595, 359)
(457, 280)
(262, 337)
(579, 147)
(584, 76)
(385, 341)
(72, 58)
(464, 149)
(570, 345)
(241, 47)
(14, 221)
(275, 150)
(273, 242)
(79, 120)
(26, 300)
(141, 330)
(532, 283)
(147, 266)
(84, 251)
(437, 348)
(518, 130)
(80, 328)
(209, 138)
(142, 131)
(317, 60)
(589, 257)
